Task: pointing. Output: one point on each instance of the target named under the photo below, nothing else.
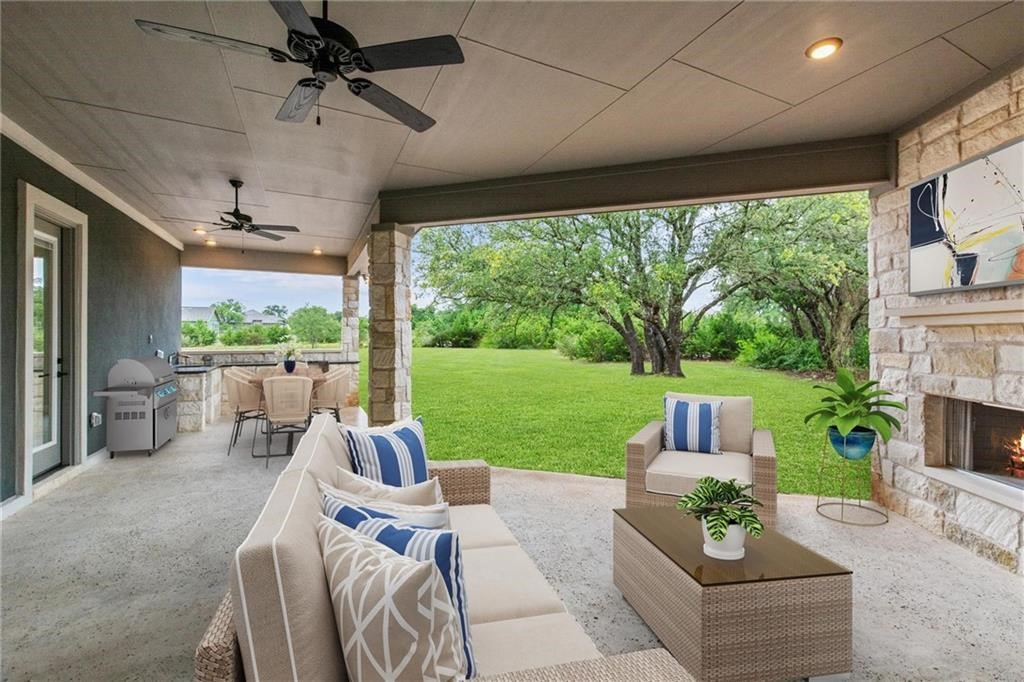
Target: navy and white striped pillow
(692, 427)
(394, 455)
(422, 544)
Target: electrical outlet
(160, 354)
(95, 419)
(151, 338)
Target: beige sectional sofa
(277, 622)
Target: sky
(203, 286)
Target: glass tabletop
(773, 556)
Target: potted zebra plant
(726, 512)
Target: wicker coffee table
(781, 612)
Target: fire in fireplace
(986, 439)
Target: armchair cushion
(736, 419)
(692, 426)
(676, 473)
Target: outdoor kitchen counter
(198, 396)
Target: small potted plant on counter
(289, 352)
(726, 513)
(853, 415)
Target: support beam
(856, 163)
(268, 261)
(390, 323)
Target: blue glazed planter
(289, 366)
(856, 445)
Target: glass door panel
(46, 452)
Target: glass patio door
(46, 345)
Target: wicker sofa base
(763, 630)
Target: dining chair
(287, 400)
(331, 395)
(246, 403)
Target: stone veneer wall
(980, 362)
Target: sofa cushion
(692, 427)
(321, 449)
(425, 516)
(395, 454)
(504, 584)
(427, 492)
(673, 472)
(478, 525)
(369, 583)
(736, 419)
(422, 544)
(283, 611)
(534, 642)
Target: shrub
(717, 337)
(277, 333)
(197, 334)
(528, 331)
(589, 339)
(769, 350)
(245, 335)
(860, 355)
(312, 324)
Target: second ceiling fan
(241, 222)
(331, 52)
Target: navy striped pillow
(395, 455)
(692, 427)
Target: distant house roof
(196, 313)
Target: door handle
(41, 373)
(62, 374)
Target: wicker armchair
(658, 477)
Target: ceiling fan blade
(407, 54)
(183, 34)
(390, 104)
(294, 15)
(277, 228)
(266, 235)
(300, 101)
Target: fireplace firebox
(985, 439)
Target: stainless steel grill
(142, 404)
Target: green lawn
(533, 409)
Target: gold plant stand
(851, 511)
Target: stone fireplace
(957, 358)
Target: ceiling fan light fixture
(317, 251)
(824, 48)
(210, 241)
(199, 229)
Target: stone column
(390, 323)
(350, 335)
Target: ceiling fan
(331, 52)
(240, 222)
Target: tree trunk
(655, 347)
(629, 336)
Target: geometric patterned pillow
(692, 427)
(428, 516)
(421, 544)
(394, 454)
(394, 616)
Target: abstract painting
(967, 225)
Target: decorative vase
(289, 366)
(855, 445)
(730, 547)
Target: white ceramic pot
(731, 546)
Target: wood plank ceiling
(545, 87)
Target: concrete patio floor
(115, 575)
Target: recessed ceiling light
(317, 251)
(211, 242)
(198, 229)
(824, 48)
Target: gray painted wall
(134, 290)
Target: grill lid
(146, 371)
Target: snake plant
(721, 504)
